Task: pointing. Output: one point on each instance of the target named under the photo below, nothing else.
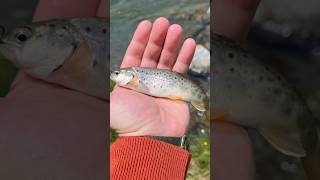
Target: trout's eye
(23, 34)
(22, 37)
(117, 73)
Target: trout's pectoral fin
(137, 84)
(134, 81)
(199, 105)
(283, 139)
(80, 63)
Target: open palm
(136, 114)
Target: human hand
(136, 114)
(232, 19)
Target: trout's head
(37, 48)
(122, 77)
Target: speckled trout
(251, 94)
(70, 52)
(161, 83)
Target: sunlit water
(126, 14)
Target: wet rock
(200, 64)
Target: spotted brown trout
(70, 52)
(161, 83)
(248, 93)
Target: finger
(185, 56)
(155, 44)
(169, 51)
(235, 25)
(103, 9)
(47, 9)
(225, 137)
(137, 45)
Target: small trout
(161, 83)
(70, 52)
(251, 94)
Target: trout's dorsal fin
(79, 63)
(283, 139)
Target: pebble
(201, 61)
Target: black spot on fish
(52, 25)
(104, 31)
(261, 78)
(279, 78)
(267, 69)
(88, 29)
(64, 27)
(277, 91)
(270, 79)
(231, 55)
(231, 69)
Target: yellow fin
(134, 81)
(175, 97)
(284, 140)
(80, 63)
(200, 106)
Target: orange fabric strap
(145, 158)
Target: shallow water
(125, 16)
